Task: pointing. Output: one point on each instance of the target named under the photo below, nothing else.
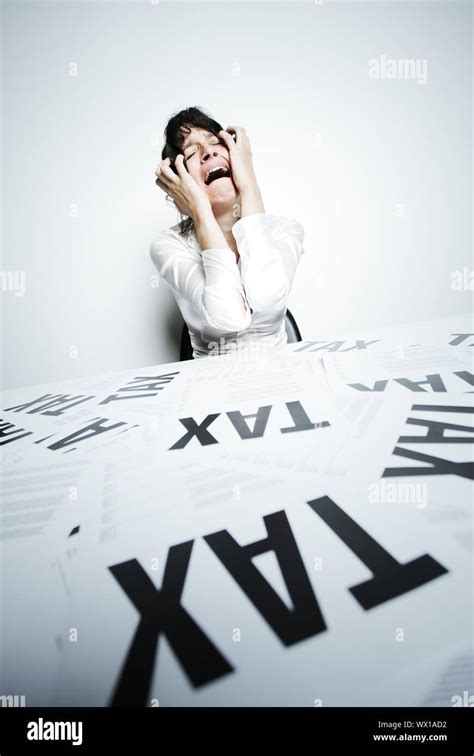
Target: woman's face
(207, 160)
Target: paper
(226, 532)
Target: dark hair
(175, 132)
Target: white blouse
(229, 305)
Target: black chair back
(291, 328)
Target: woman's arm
(211, 284)
(270, 248)
(243, 174)
(251, 200)
(209, 233)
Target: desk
(287, 531)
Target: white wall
(378, 171)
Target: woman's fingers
(165, 178)
(228, 139)
(165, 173)
(180, 167)
(161, 184)
(239, 132)
(168, 174)
(161, 165)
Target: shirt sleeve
(270, 248)
(211, 284)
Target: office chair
(291, 328)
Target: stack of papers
(294, 530)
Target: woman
(229, 264)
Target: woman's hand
(188, 196)
(240, 155)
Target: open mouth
(219, 171)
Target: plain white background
(377, 171)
